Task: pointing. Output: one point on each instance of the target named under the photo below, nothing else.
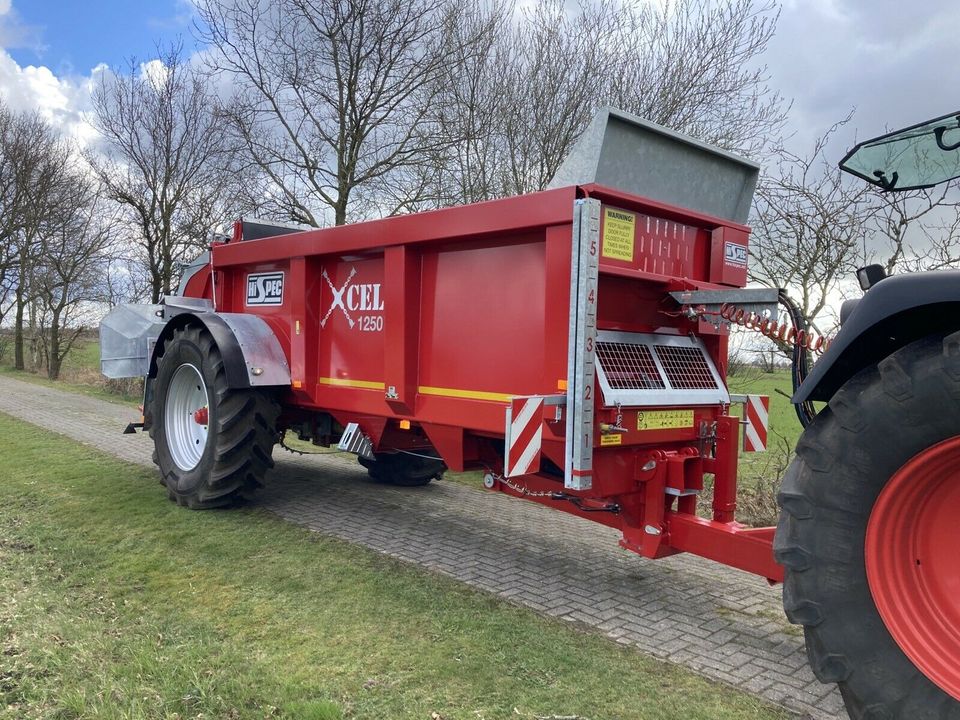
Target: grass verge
(117, 604)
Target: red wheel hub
(201, 416)
(912, 556)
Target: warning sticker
(618, 232)
(614, 439)
(664, 419)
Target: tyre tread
(245, 434)
(843, 459)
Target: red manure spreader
(572, 344)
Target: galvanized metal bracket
(760, 301)
(251, 351)
(127, 338)
(581, 349)
(355, 441)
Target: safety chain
(522, 489)
(553, 495)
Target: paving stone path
(725, 624)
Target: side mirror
(869, 276)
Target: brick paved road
(725, 624)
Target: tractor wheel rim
(186, 438)
(913, 561)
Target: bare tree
(11, 201)
(513, 105)
(469, 104)
(813, 226)
(808, 228)
(333, 97)
(556, 78)
(695, 66)
(513, 109)
(915, 230)
(167, 159)
(35, 161)
(69, 276)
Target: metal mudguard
(130, 335)
(127, 338)
(894, 313)
(252, 355)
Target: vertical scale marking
(581, 352)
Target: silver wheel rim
(186, 438)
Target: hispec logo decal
(734, 254)
(265, 288)
(352, 298)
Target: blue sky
(71, 37)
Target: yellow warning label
(664, 419)
(618, 231)
(614, 439)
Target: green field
(784, 424)
(115, 603)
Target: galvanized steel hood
(634, 155)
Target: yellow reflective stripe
(467, 394)
(346, 382)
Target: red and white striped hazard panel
(756, 413)
(524, 436)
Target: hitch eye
(869, 276)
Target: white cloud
(155, 72)
(63, 101)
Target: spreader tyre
(403, 469)
(867, 534)
(212, 443)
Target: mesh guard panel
(629, 366)
(686, 367)
(656, 370)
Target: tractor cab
(913, 158)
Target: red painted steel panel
(442, 317)
(350, 347)
(507, 216)
(482, 323)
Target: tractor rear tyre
(868, 536)
(403, 469)
(212, 443)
